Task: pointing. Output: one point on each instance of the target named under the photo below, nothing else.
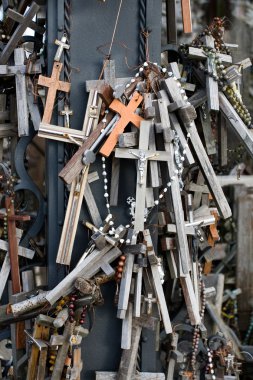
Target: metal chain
(67, 66)
(142, 28)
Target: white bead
(103, 120)
(169, 184)
(180, 165)
(103, 159)
(188, 134)
(172, 178)
(127, 225)
(192, 124)
(109, 216)
(105, 180)
(145, 64)
(156, 203)
(103, 166)
(106, 195)
(182, 91)
(128, 241)
(164, 70)
(185, 97)
(105, 187)
(111, 223)
(175, 78)
(170, 73)
(121, 241)
(161, 196)
(132, 80)
(116, 236)
(184, 151)
(188, 103)
(104, 173)
(140, 69)
(165, 190)
(155, 63)
(102, 130)
(101, 229)
(137, 75)
(110, 232)
(128, 85)
(107, 205)
(176, 151)
(182, 158)
(176, 171)
(145, 219)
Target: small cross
(12, 238)
(142, 161)
(66, 113)
(127, 116)
(150, 300)
(25, 22)
(62, 45)
(54, 84)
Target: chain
(142, 18)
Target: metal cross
(62, 45)
(67, 112)
(142, 162)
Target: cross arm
(64, 86)
(15, 16)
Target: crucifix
(25, 21)
(143, 155)
(66, 112)
(12, 218)
(127, 115)
(174, 92)
(211, 84)
(5, 270)
(54, 84)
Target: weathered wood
(32, 106)
(125, 284)
(22, 110)
(54, 84)
(211, 84)
(92, 206)
(87, 267)
(205, 119)
(138, 376)
(67, 135)
(128, 139)
(236, 123)
(154, 175)
(127, 328)
(25, 22)
(190, 300)
(114, 192)
(75, 164)
(127, 115)
(203, 159)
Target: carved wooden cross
(127, 116)
(211, 84)
(25, 22)
(54, 84)
(12, 218)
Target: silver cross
(142, 160)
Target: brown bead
(123, 258)
(121, 263)
(119, 276)
(120, 269)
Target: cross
(211, 84)
(150, 300)
(127, 116)
(67, 112)
(61, 45)
(54, 84)
(25, 22)
(12, 218)
(5, 270)
(143, 155)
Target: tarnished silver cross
(142, 161)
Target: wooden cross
(54, 84)
(6, 267)
(174, 92)
(7, 130)
(24, 22)
(211, 84)
(61, 45)
(127, 115)
(22, 109)
(143, 155)
(12, 218)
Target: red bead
(71, 306)
(71, 319)
(73, 298)
(81, 321)
(71, 312)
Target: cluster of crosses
(155, 119)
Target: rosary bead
(71, 306)
(81, 321)
(71, 319)
(121, 241)
(156, 202)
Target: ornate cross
(54, 84)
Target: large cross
(127, 116)
(186, 15)
(211, 84)
(25, 22)
(12, 218)
(143, 155)
(54, 84)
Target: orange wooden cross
(127, 116)
(54, 84)
(12, 218)
(186, 15)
